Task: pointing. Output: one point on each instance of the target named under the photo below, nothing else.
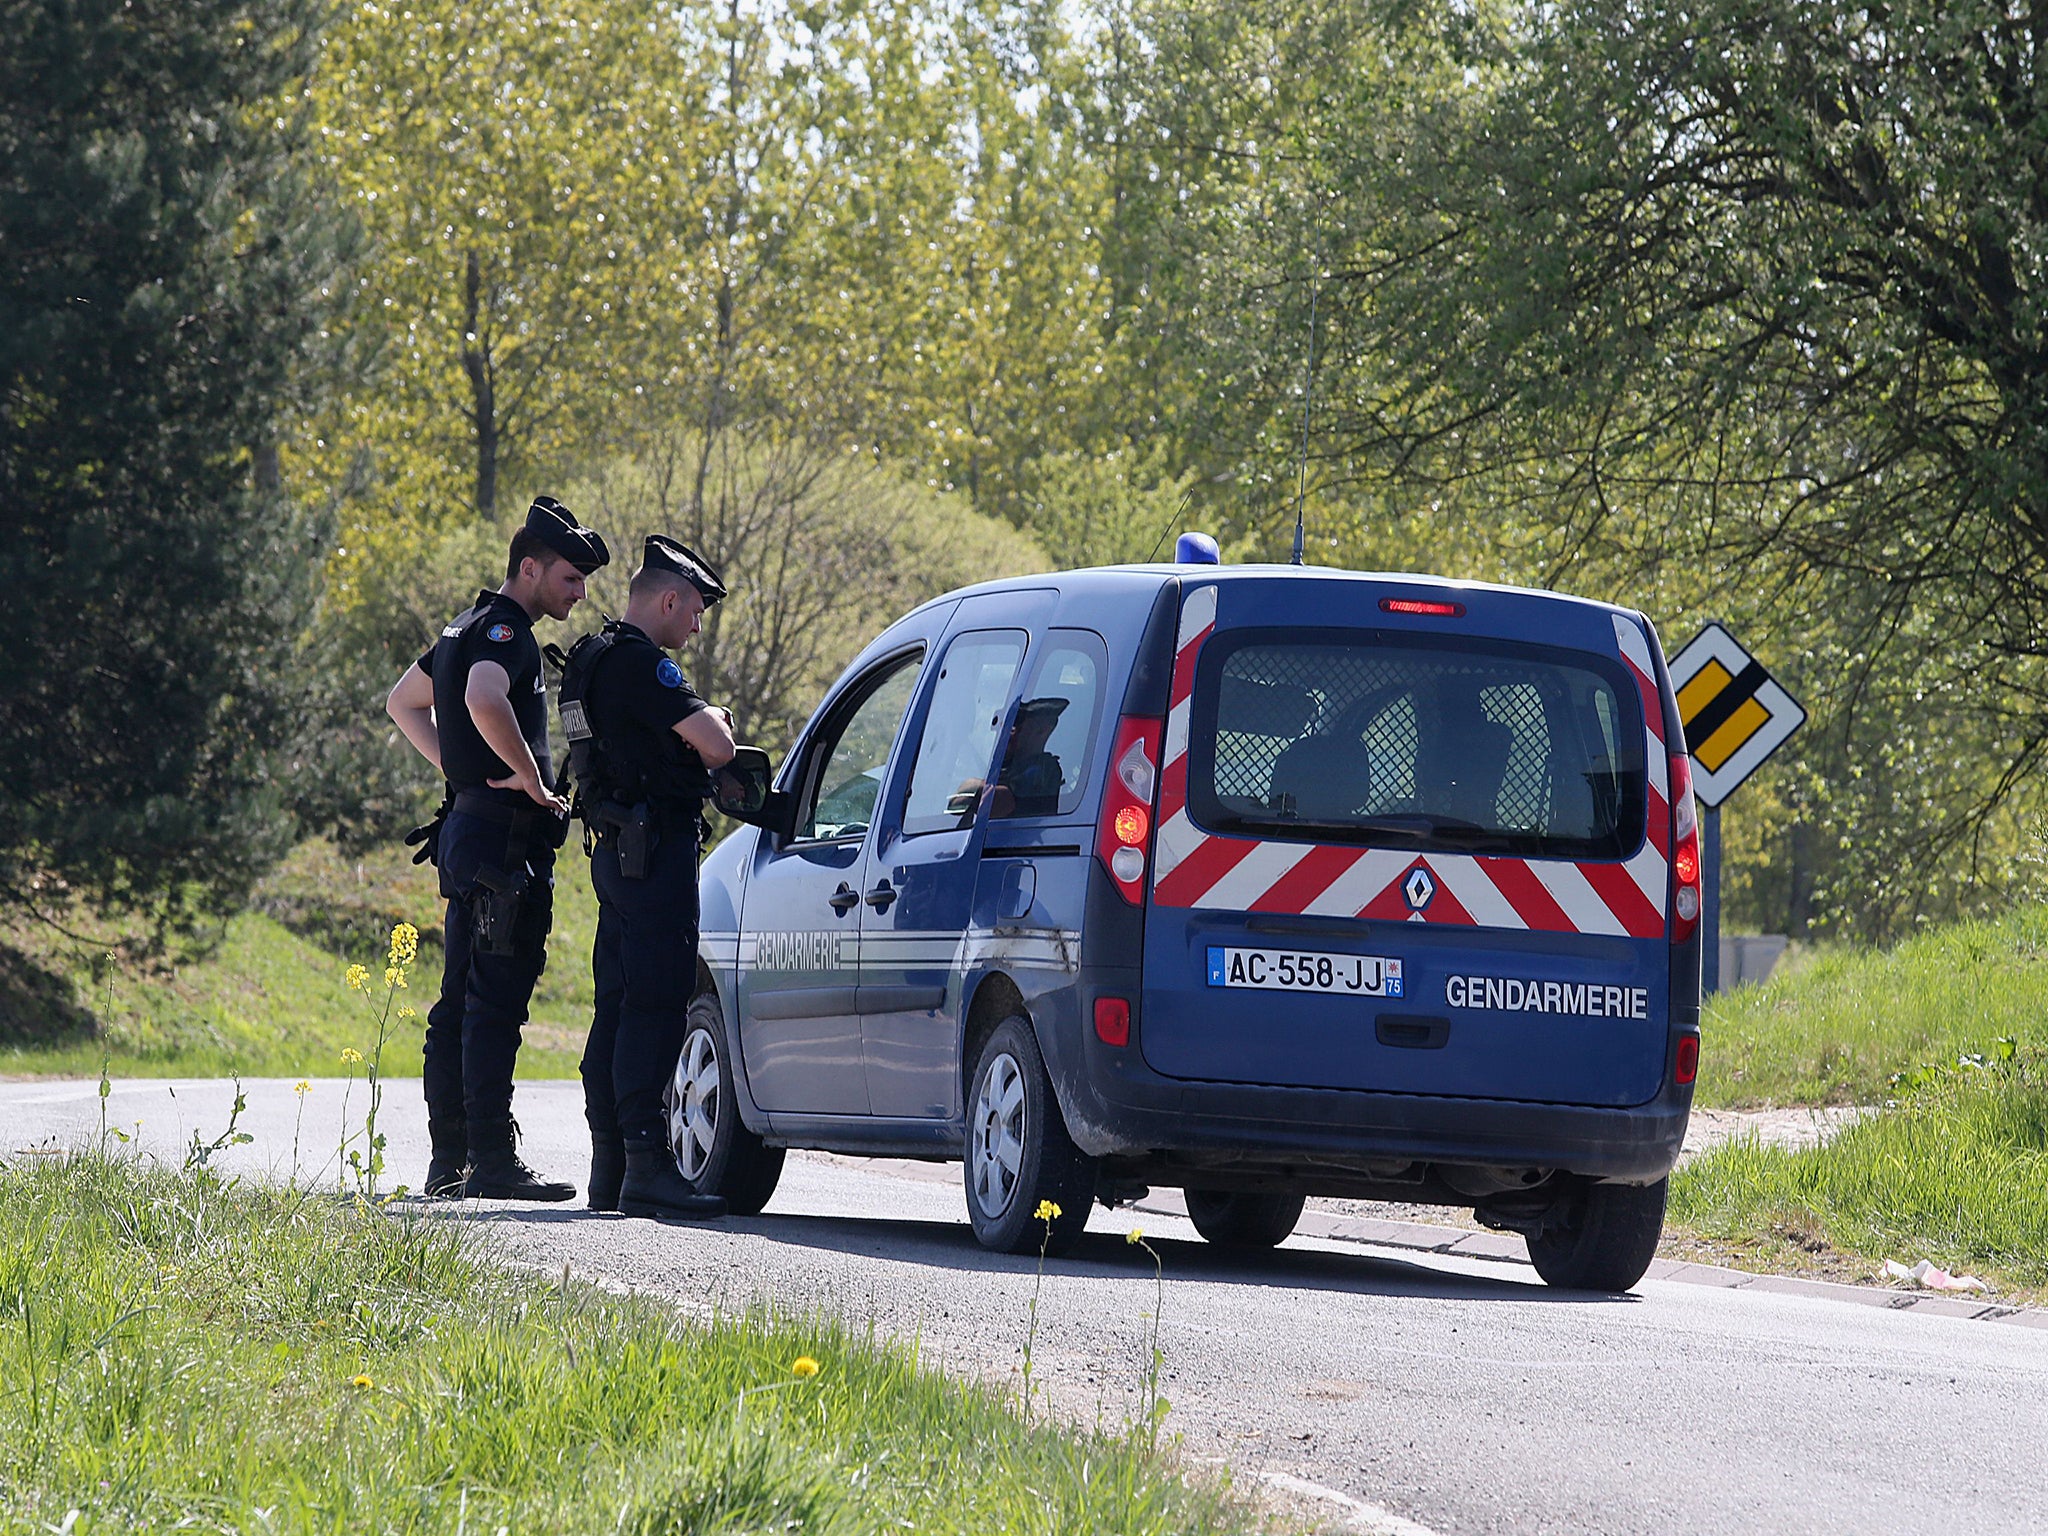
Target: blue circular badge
(499, 632)
(668, 674)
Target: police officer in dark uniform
(475, 706)
(643, 745)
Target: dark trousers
(473, 1029)
(645, 967)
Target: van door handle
(881, 896)
(842, 900)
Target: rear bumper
(1117, 1107)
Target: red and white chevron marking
(1194, 868)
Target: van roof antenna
(1308, 391)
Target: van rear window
(1440, 746)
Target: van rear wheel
(1243, 1220)
(1019, 1154)
(1601, 1237)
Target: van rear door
(1422, 854)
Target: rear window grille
(1418, 746)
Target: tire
(1018, 1150)
(1243, 1220)
(1601, 1237)
(713, 1148)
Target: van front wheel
(1243, 1220)
(1600, 1237)
(1019, 1155)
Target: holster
(632, 832)
(494, 910)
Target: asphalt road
(1376, 1388)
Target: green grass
(1957, 1173)
(264, 996)
(1836, 1029)
(173, 1354)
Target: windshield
(1487, 747)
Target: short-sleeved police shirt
(496, 629)
(637, 698)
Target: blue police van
(1258, 882)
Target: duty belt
(474, 802)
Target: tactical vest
(621, 760)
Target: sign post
(1735, 716)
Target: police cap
(663, 553)
(1046, 709)
(556, 526)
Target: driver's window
(844, 791)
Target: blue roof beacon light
(1195, 549)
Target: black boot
(495, 1171)
(449, 1163)
(607, 1170)
(655, 1187)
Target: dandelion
(302, 1087)
(350, 1056)
(362, 1383)
(1135, 1235)
(358, 977)
(803, 1365)
(1048, 1210)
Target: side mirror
(741, 790)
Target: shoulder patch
(499, 632)
(668, 674)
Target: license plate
(1294, 970)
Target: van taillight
(1123, 837)
(1685, 851)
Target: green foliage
(178, 1351)
(160, 257)
(1773, 366)
(267, 997)
(1837, 1029)
(1956, 1173)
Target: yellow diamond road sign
(1735, 715)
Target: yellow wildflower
(394, 976)
(407, 1011)
(320, 1322)
(350, 1056)
(1048, 1210)
(405, 944)
(358, 977)
(803, 1365)
(362, 1382)
(1135, 1235)
(302, 1087)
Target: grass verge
(1956, 1172)
(177, 1354)
(1836, 1030)
(264, 995)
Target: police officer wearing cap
(475, 706)
(643, 745)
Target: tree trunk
(476, 362)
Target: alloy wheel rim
(996, 1136)
(695, 1101)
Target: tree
(160, 261)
